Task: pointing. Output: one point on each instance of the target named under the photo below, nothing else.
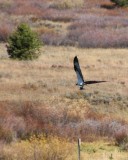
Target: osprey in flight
(80, 79)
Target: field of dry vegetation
(42, 111)
(90, 23)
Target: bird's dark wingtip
(75, 58)
(93, 82)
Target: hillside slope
(90, 23)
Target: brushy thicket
(38, 148)
(23, 44)
(94, 31)
(21, 121)
(109, 30)
(121, 138)
(120, 2)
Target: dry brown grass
(51, 78)
(55, 69)
(41, 96)
(39, 148)
(101, 151)
(47, 87)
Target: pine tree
(23, 44)
(120, 2)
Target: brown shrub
(52, 39)
(5, 5)
(37, 118)
(25, 10)
(96, 31)
(23, 119)
(104, 39)
(55, 15)
(120, 136)
(11, 126)
(67, 4)
(41, 147)
(5, 31)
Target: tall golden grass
(39, 148)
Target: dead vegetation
(40, 97)
(84, 24)
(41, 94)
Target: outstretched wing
(78, 71)
(93, 82)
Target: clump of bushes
(38, 148)
(120, 2)
(122, 140)
(23, 44)
(5, 135)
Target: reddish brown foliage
(5, 31)
(57, 15)
(95, 31)
(121, 136)
(20, 120)
(97, 24)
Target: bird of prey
(80, 79)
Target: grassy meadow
(41, 97)
(42, 110)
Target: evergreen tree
(23, 44)
(120, 2)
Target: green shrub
(23, 44)
(120, 2)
